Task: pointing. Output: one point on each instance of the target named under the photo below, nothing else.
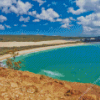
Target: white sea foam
(53, 74)
(18, 56)
(25, 54)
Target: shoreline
(22, 52)
(29, 79)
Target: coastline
(69, 90)
(3, 57)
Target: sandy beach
(37, 49)
(19, 44)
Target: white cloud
(66, 20)
(19, 7)
(84, 20)
(22, 8)
(7, 26)
(24, 19)
(36, 20)
(76, 12)
(71, 18)
(41, 2)
(96, 23)
(24, 25)
(15, 24)
(5, 10)
(66, 23)
(6, 3)
(48, 14)
(64, 26)
(87, 29)
(2, 18)
(59, 20)
(33, 13)
(91, 20)
(90, 23)
(2, 27)
(86, 5)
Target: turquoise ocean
(74, 64)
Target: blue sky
(50, 17)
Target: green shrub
(11, 64)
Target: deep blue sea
(75, 64)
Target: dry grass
(32, 38)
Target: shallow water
(75, 64)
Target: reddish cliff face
(23, 85)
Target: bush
(11, 64)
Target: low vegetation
(11, 63)
(32, 38)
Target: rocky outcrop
(24, 85)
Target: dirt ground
(24, 85)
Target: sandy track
(19, 44)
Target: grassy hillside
(35, 38)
